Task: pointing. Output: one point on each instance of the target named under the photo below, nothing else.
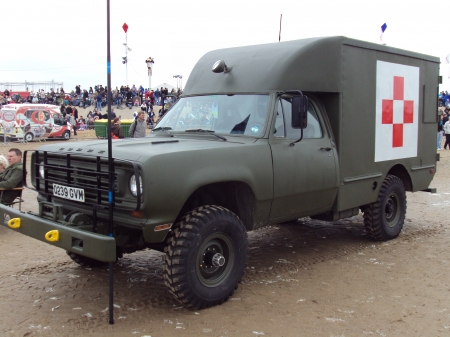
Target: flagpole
(383, 28)
(447, 62)
(126, 55)
(110, 167)
(279, 34)
(125, 59)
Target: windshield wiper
(207, 131)
(164, 129)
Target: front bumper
(96, 246)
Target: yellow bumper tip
(52, 235)
(14, 223)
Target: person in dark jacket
(12, 176)
(116, 128)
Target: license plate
(71, 193)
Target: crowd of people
(444, 120)
(97, 96)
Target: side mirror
(299, 112)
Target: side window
(283, 125)
(313, 130)
(279, 122)
(58, 120)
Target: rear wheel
(384, 218)
(205, 257)
(66, 135)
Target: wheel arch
(235, 196)
(401, 172)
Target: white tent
(164, 85)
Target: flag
(383, 28)
(125, 27)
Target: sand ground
(302, 279)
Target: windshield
(226, 114)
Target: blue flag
(383, 27)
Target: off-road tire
(86, 261)
(384, 218)
(195, 248)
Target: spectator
(152, 98)
(69, 110)
(150, 119)
(99, 101)
(3, 164)
(447, 134)
(138, 127)
(90, 123)
(81, 124)
(440, 132)
(116, 128)
(158, 94)
(12, 176)
(129, 103)
(72, 121)
(112, 115)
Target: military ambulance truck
(321, 127)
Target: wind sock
(383, 28)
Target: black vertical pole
(110, 170)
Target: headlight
(41, 170)
(133, 187)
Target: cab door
(305, 173)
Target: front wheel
(205, 257)
(384, 218)
(28, 137)
(66, 135)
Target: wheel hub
(215, 259)
(389, 208)
(212, 258)
(218, 260)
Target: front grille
(87, 172)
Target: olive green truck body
(230, 145)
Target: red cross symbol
(404, 110)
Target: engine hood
(141, 149)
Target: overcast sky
(65, 41)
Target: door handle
(326, 148)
